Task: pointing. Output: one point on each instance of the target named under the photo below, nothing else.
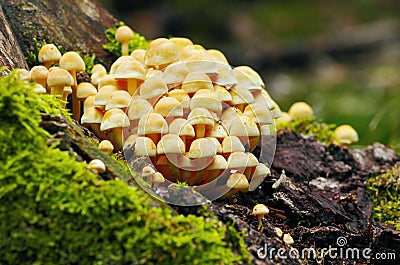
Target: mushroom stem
(200, 130)
(95, 127)
(131, 86)
(56, 90)
(117, 137)
(125, 48)
(260, 223)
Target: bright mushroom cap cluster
(183, 107)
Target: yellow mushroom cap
(238, 160)
(97, 68)
(261, 172)
(237, 181)
(153, 87)
(92, 115)
(138, 108)
(181, 42)
(126, 67)
(260, 209)
(232, 144)
(71, 61)
(119, 99)
(129, 142)
(225, 76)
(123, 34)
(222, 93)
(258, 113)
(153, 123)
(161, 51)
(106, 146)
(104, 95)
(170, 144)
(97, 165)
(345, 135)
(39, 72)
(59, 77)
(251, 79)
(201, 116)
(195, 81)
(219, 162)
(217, 144)
(278, 232)
(201, 148)
(148, 171)
(244, 126)
(85, 89)
(181, 126)
(217, 56)
(114, 118)
(144, 147)
(181, 96)
(175, 73)
(89, 102)
(169, 107)
(138, 55)
(39, 89)
(208, 99)
(300, 110)
(49, 53)
(241, 95)
(218, 131)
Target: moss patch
(55, 211)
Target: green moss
(55, 211)
(384, 191)
(311, 126)
(114, 47)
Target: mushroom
(153, 126)
(138, 55)
(97, 165)
(57, 79)
(231, 144)
(106, 146)
(222, 93)
(157, 179)
(112, 123)
(83, 91)
(92, 118)
(23, 74)
(195, 81)
(49, 54)
(181, 42)
(72, 62)
(172, 148)
(214, 170)
(184, 130)
(119, 100)
(174, 74)
(148, 173)
(128, 71)
(208, 99)
(249, 78)
(344, 135)
(39, 89)
(169, 107)
(152, 89)
(183, 98)
(89, 102)
(145, 147)
(260, 210)
(300, 110)
(104, 95)
(236, 182)
(217, 56)
(201, 120)
(64, 96)
(138, 108)
(97, 68)
(160, 53)
(39, 74)
(123, 35)
(259, 175)
(241, 97)
(246, 130)
(218, 132)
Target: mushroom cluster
(179, 105)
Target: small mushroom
(201, 120)
(129, 73)
(153, 126)
(300, 110)
(260, 210)
(39, 74)
(123, 35)
(288, 239)
(112, 123)
(92, 118)
(344, 135)
(49, 54)
(148, 173)
(97, 165)
(158, 178)
(57, 79)
(106, 146)
(169, 107)
(160, 53)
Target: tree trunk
(77, 25)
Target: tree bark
(77, 25)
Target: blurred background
(341, 57)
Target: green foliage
(55, 211)
(321, 131)
(384, 191)
(114, 47)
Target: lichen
(384, 191)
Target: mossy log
(77, 25)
